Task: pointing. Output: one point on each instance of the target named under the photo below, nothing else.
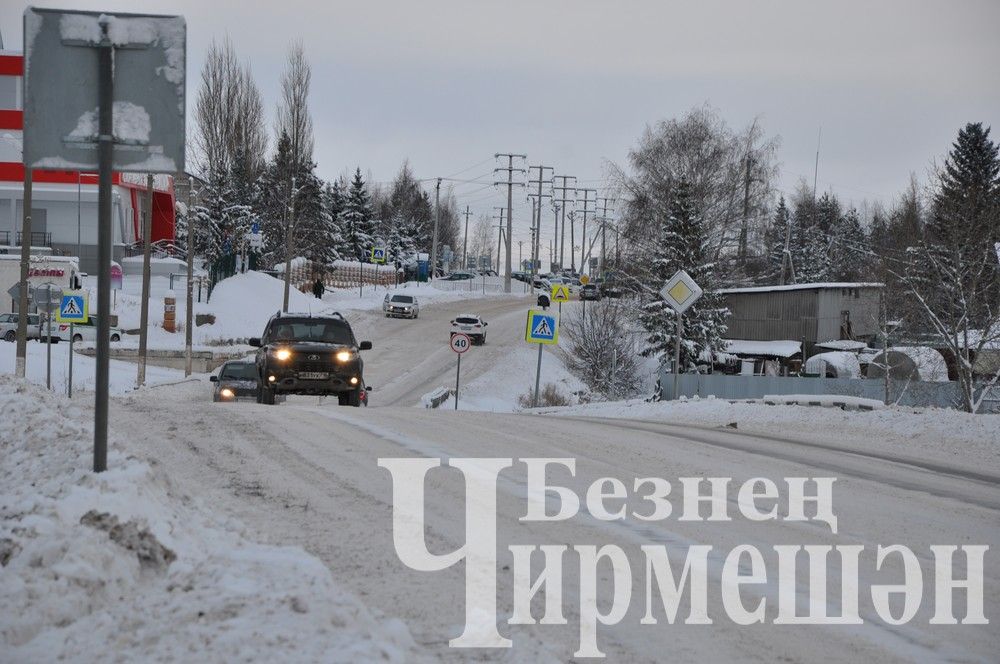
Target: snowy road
(306, 473)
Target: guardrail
(436, 398)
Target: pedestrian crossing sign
(542, 328)
(73, 308)
(378, 254)
(560, 293)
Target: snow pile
(498, 389)
(117, 567)
(937, 433)
(122, 373)
(242, 305)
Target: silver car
(8, 327)
(400, 306)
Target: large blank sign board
(61, 90)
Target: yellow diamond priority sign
(680, 291)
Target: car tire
(354, 398)
(115, 337)
(77, 338)
(265, 395)
(10, 336)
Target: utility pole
(499, 234)
(555, 236)
(189, 312)
(535, 245)
(437, 221)
(147, 228)
(563, 202)
(604, 223)
(22, 300)
(510, 205)
(583, 235)
(465, 240)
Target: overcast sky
(573, 83)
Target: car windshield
(311, 329)
(239, 371)
(465, 320)
(403, 299)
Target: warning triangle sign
(542, 329)
(71, 309)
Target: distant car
(472, 325)
(610, 289)
(541, 283)
(83, 331)
(590, 292)
(236, 380)
(8, 327)
(401, 306)
(459, 276)
(521, 276)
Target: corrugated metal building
(810, 313)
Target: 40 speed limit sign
(460, 343)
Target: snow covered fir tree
(683, 245)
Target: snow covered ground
(122, 373)
(937, 433)
(124, 562)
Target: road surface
(305, 473)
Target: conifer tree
(683, 245)
(358, 219)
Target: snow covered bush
(602, 348)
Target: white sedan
(82, 332)
(403, 306)
(472, 325)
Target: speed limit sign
(460, 343)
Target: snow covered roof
(844, 364)
(792, 287)
(843, 344)
(779, 348)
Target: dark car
(236, 380)
(305, 354)
(590, 292)
(459, 276)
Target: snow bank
(122, 373)
(498, 389)
(118, 567)
(937, 433)
(243, 303)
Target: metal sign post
(73, 308)
(541, 328)
(43, 297)
(69, 384)
(460, 343)
(680, 292)
(141, 60)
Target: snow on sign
(73, 308)
(378, 254)
(681, 291)
(542, 328)
(460, 343)
(61, 80)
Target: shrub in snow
(548, 397)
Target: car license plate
(313, 375)
(466, 327)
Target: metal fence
(482, 284)
(903, 393)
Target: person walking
(319, 288)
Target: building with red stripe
(64, 203)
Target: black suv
(304, 354)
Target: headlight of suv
(344, 356)
(227, 393)
(282, 354)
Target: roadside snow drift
(117, 566)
